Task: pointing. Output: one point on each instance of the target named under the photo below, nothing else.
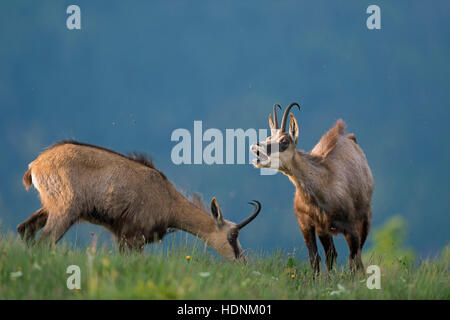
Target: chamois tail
(27, 181)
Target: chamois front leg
(309, 234)
(330, 250)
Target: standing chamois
(333, 184)
(125, 194)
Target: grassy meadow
(186, 271)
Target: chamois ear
(293, 128)
(216, 213)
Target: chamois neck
(306, 172)
(190, 218)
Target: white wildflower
(16, 274)
(337, 292)
(204, 274)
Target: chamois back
(329, 140)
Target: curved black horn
(285, 115)
(275, 118)
(257, 206)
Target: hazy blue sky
(137, 70)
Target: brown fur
(134, 156)
(126, 195)
(334, 195)
(329, 140)
(352, 136)
(334, 187)
(198, 201)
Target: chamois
(333, 182)
(125, 194)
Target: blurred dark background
(137, 70)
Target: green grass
(40, 273)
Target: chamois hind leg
(33, 224)
(364, 230)
(128, 244)
(55, 227)
(353, 242)
(330, 250)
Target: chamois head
(279, 148)
(225, 238)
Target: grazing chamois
(125, 194)
(333, 184)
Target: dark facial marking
(232, 239)
(281, 145)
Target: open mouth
(262, 159)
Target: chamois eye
(284, 141)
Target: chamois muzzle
(257, 206)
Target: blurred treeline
(139, 70)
